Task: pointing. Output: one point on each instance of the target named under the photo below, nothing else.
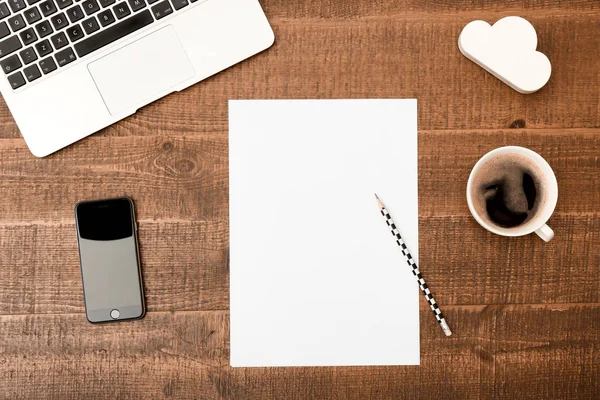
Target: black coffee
(498, 207)
(508, 190)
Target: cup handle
(545, 232)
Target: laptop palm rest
(142, 71)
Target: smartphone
(109, 258)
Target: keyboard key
(28, 36)
(32, 15)
(179, 4)
(106, 18)
(48, 8)
(162, 9)
(59, 21)
(11, 63)
(32, 2)
(90, 6)
(43, 48)
(9, 45)
(16, 23)
(59, 40)
(16, 80)
(4, 11)
(106, 3)
(43, 29)
(64, 3)
(4, 31)
(32, 73)
(47, 65)
(90, 25)
(121, 10)
(75, 33)
(75, 13)
(136, 5)
(113, 33)
(28, 55)
(152, 1)
(65, 57)
(16, 5)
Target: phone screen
(112, 285)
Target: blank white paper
(316, 277)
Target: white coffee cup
(538, 223)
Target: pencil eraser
(507, 50)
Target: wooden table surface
(525, 314)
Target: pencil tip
(379, 201)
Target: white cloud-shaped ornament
(507, 50)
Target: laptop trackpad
(142, 71)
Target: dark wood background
(526, 314)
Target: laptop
(73, 67)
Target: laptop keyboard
(39, 37)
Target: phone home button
(114, 314)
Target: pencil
(415, 270)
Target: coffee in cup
(512, 191)
(508, 190)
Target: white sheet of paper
(316, 277)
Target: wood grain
(351, 10)
(525, 314)
(185, 265)
(183, 355)
(186, 178)
(370, 51)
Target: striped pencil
(415, 269)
